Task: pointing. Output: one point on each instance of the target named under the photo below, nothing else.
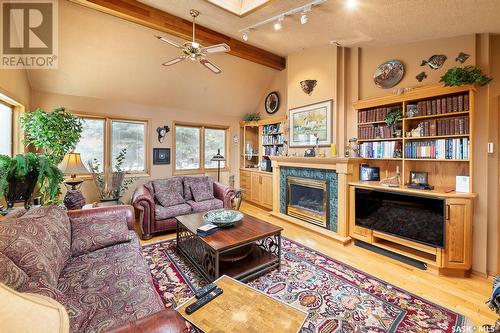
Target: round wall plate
(388, 74)
(272, 103)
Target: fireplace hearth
(308, 200)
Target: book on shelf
(367, 132)
(434, 106)
(375, 114)
(440, 149)
(441, 127)
(272, 129)
(272, 150)
(379, 149)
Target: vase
(21, 190)
(109, 185)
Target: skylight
(239, 7)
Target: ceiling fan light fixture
(195, 45)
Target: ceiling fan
(194, 51)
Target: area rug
(338, 297)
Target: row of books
(384, 149)
(449, 126)
(457, 103)
(272, 129)
(272, 139)
(374, 132)
(377, 114)
(272, 150)
(442, 149)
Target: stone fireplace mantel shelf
(342, 169)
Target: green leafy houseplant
(392, 117)
(249, 117)
(457, 76)
(53, 134)
(111, 184)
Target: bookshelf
(436, 133)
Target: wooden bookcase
(456, 256)
(266, 138)
(441, 171)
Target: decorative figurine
(394, 181)
(308, 86)
(352, 149)
(435, 62)
(462, 57)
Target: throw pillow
(168, 198)
(90, 233)
(202, 192)
(188, 181)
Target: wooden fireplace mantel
(347, 170)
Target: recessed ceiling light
(245, 36)
(351, 4)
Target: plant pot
(21, 190)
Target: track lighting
(303, 18)
(245, 36)
(278, 25)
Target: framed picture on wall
(310, 124)
(161, 156)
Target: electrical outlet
(490, 147)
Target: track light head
(278, 25)
(245, 36)
(304, 18)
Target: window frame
(202, 168)
(108, 122)
(12, 126)
(17, 144)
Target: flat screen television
(417, 218)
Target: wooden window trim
(17, 144)
(108, 120)
(202, 128)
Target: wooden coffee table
(249, 248)
(243, 309)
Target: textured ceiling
(106, 57)
(376, 22)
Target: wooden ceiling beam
(154, 18)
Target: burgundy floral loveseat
(89, 261)
(160, 201)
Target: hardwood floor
(463, 295)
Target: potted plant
(391, 119)
(251, 117)
(52, 134)
(458, 76)
(111, 184)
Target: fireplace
(308, 200)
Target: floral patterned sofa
(159, 201)
(90, 261)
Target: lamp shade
(218, 157)
(72, 165)
(31, 313)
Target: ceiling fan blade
(211, 66)
(216, 48)
(174, 61)
(163, 39)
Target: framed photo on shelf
(417, 178)
(161, 156)
(310, 124)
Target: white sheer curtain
(5, 130)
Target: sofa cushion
(11, 274)
(169, 198)
(202, 191)
(204, 206)
(172, 184)
(38, 242)
(79, 314)
(193, 180)
(91, 233)
(116, 280)
(163, 213)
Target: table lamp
(31, 313)
(72, 165)
(218, 158)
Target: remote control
(202, 301)
(205, 290)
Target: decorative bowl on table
(223, 217)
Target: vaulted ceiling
(102, 56)
(374, 22)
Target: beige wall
(15, 84)
(158, 116)
(345, 75)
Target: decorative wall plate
(272, 103)
(389, 74)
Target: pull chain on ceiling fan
(194, 50)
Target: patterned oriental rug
(338, 298)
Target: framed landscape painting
(310, 122)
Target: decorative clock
(272, 102)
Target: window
(6, 125)
(103, 138)
(195, 145)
